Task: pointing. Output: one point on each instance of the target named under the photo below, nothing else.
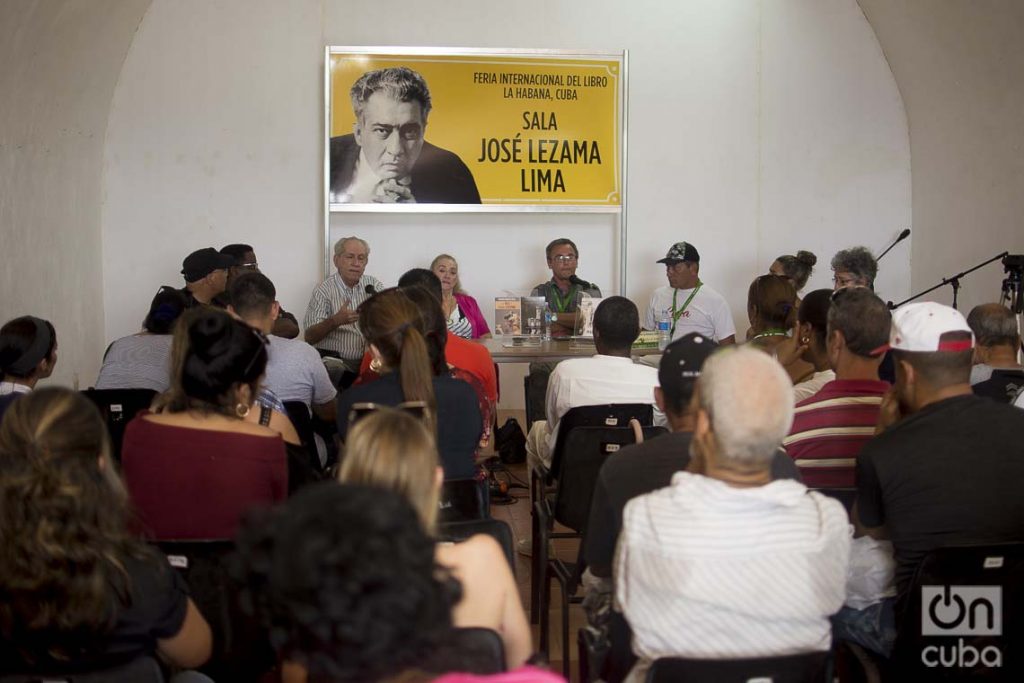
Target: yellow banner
(514, 130)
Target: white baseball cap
(928, 327)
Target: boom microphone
(903, 235)
(370, 289)
(582, 283)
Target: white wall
(59, 62)
(756, 128)
(959, 66)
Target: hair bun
(209, 336)
(806, 257)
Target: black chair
(585, 450)
(811, 667)
(118, 407)
(299, 415)
(463, 500)
(139, 670)
(606, 415)
(241, 648)
(495, 528)
(968, 593)
(535, 386)
(483, 648)
(846, 496)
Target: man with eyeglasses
(854, 267)
(286, 324)
(564, 291)
(688, 304)
(331, 317)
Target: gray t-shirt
(295, 372)
(141, 361)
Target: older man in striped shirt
(331, 318)
(726, 562)
(830, 428)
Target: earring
(376, 365)
(805, 340)
(242, 411)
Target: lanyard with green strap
(678, 314)
(556, 295)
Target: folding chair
(139, 670)
(298, 413)
(463, 500)
(585, 450)
(241, 647)
(970, 600)
(811, 667)
(118, 407)
(607, 415)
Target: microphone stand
(953, 281)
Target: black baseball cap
(680, 251)
(201, 263)
(683, 360)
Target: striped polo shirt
(327, 299)
(831, 427)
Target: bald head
(748, 399)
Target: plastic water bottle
(664, 332)
(546, 329)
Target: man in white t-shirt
(689, 304)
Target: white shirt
(295, 372)
(813, 385)
(596, 380)
(13, 388)
(708, 313)
(706, 570)
(326, 300)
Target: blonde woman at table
(460, 309)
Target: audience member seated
(946, 468)
(407, 339)
(196, 465)
(206, 276)
(143, 360)
(771, 310)
(80, 592)
(687, 303)
(726, 563)
(808, 342)
(854, 267)
(348, 582)
(285, 324)
(28, 353)
(459, 353)
(294, 369)
(460, 309)
(609, 376)
(648, 466)
(996, 374)
(797, 269)
(830, 428)
(393, 450)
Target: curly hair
(858, 261)
(399, 82)
(345, 579)
(63, 518)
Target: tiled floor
(518, 517)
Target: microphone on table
(582, 283)
(903, 235)
(370, 289)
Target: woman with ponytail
(78, 590)
(206, 455)
(406, 335)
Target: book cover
(508, 315)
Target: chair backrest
(810, 667)
(118, 407)
(463, 500)
(963, 612)
(495, 528)
(585, 450)
(241, 648)
(139, 670)
(482, 647)
(606, 415)
(299, 415)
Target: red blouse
(196, 483)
